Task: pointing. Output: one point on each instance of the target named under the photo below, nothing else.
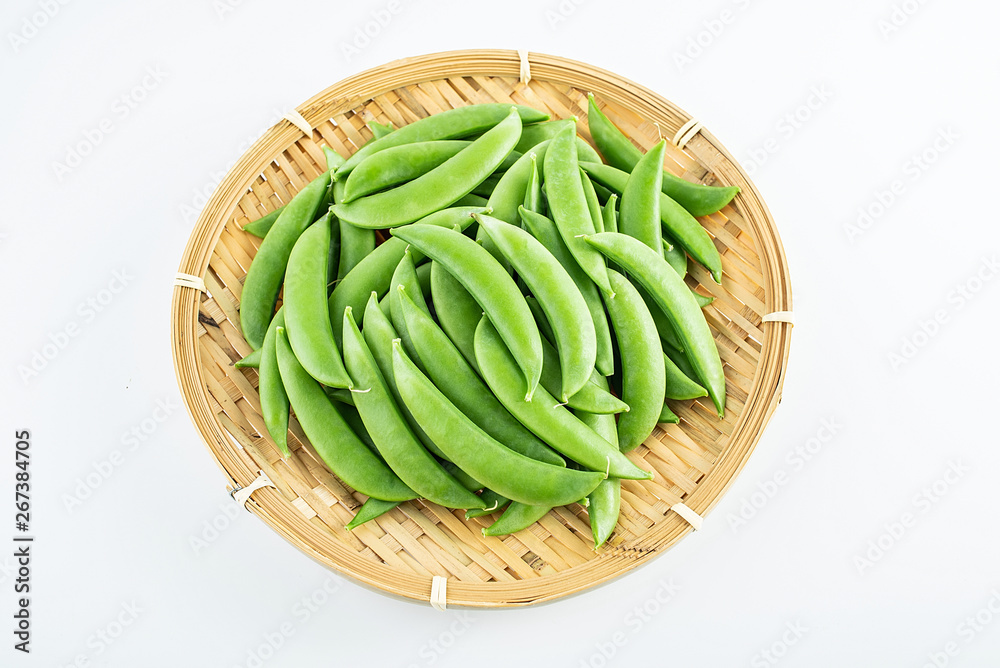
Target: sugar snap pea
(671, 293)
(450, 124)
(374, 272)
(405, 276)
(568, 205)
(335, 443)
(457, 311)
(508, 473)
(589, 398)
(398, 164)
(250, 361)
(444, 365)
(380, 130)
(668, 416)
(620, 152)
(369, 510)
(355, 243)
(494, 502)
(261, 226)
(273, 398)
(387, 427)
(307, 318)
(263, 279)
(609, 214)
(675, 257)
(533, 135)
(543, 229)
(682, 227)
(518, 516)
(592, 204)
(678, 385)
(543, 415)
(558, 296)
(490, 285)
(643, 374)
(533, 193)
(640, 207)
(605, 500)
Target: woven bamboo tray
(401, 552)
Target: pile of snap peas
(518, 329)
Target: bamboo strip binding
(401, 553)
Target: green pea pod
(441, 361)
(251, 361)
(568, 205)
(533, 135)
(374, 272)
(273, 398)
(592, 204)
(640, 208)
(681, 361)
(261, 226)
(558, 296)
(369, 510)
(620, 152)
(590, 398)
(263, 280)
(340, 395)
(543, 415)
(405, 276)
(533, 193)
(379, 335)
(490, 285)
(678, 385)
(356, 243)
(398, 445)
(493, 501)
(672, 295)
(667, 416)
(702, 300)
(508, 473)
(438, 188)
(665, 328)
(380, 130)
(605, 500)
(398, 164)
(457, 312)
(603, 194)
(335, 443)
(517, 517)
(609, 215)
(675, 257)
(307, 318)
(545, 231)
(678, 223)
(643, 374)
(450, 124)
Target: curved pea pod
(517, 517)
(702, 300)
(643, 374)
(251, 360)
(398, 164)
(493, 501)
(640, 207)
(398, 445)
(439, 188)
(609, 214)
(673, 296)
(369, 510)
(374, 272)
(533, 135)
(558, 295)
(449, 124)
(335, 443)
(605, 500)
(273, 398)
(379, 335)
(380, 130)
(261, 226)
(675, 257)
(405, 276)
(665, 328)
(492, 287)
(457, 312)
(568, 205)
(549, 420)
(263, 280)
(508, 473)
(533, 193)
(593, 205)
(441, 361)
(680, 360)
(667, 415)
(590, 398)
(620, 152)
(678, 385)
(356, 243)
(680, 224)
(307, 318)
(545, 231)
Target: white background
(227, 70)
